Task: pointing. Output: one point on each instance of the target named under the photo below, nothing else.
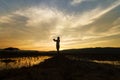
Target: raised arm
(54, 40)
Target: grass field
(61, 68)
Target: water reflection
(107, 62)
(117, 63)
(21, 62)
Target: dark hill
(98, 50)
(11, 48)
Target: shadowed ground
(60, 67)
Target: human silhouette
(57, 44)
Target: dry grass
(62, 68)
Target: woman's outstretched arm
(54, 40)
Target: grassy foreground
(60, 67)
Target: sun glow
(33, 26)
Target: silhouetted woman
(57, 43)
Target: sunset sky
(32, 24)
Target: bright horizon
(32, 24)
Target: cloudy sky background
(32, 24)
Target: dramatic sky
(32, 24)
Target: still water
(115, 62)
(21, 62)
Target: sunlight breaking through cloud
(36, 26)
